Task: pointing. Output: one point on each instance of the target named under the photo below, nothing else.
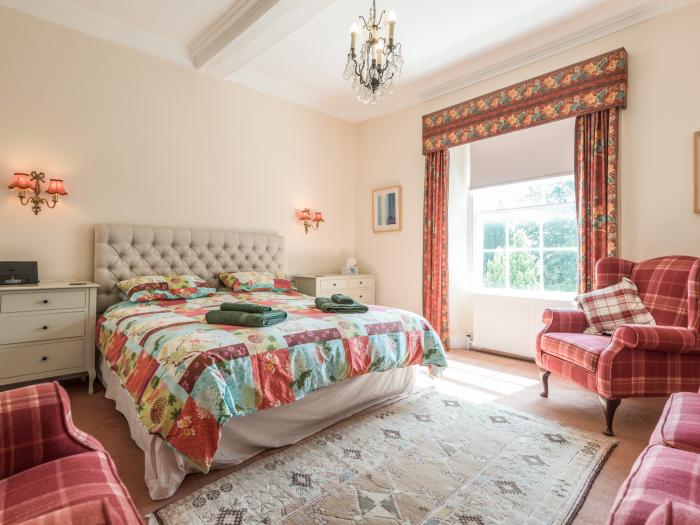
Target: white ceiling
(296, 49)
(174, 20)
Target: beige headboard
(124, 250)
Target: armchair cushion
(93, 512)
(671, 513)
(578, 349)
(659, 338)
(679, 426)
(613, 306)
(659, 474)
(37, 428)
(66, 482)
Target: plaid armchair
(637, 360)
(51, 472)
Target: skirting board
(499, 353)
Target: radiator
(509, 324)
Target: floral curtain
(435, 274)
(596, 191)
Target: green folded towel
(245, 307)
(327, 305)
(340, 298)
(236, 318)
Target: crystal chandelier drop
(373, 69)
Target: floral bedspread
(189, 378)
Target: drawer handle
(44, 327)
(44, 358)
(45, 301)
(333, 284)
(361, 282)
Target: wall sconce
(305, 216)
(23, 182)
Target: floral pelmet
(585, 87)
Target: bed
(199, 397)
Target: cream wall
(139, 140)
(656, 214)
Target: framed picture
(386, 209)
(696, 169)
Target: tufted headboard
(124, 250)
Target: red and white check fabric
(659, 474)
(579, 349)
(663, 487)
(611, 270)
(640, 360)
(91, 512)
(564, 320)
(613, 306)
(632, 372)
(37, 427)
(65, 483)
(47, 464)
(663, 338)
(666, 288)
(679, 425)
(569, 370)
(671, 513)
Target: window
(525, 237)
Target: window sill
(561, 297)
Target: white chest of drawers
(47, 330)
(360, 287)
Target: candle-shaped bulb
(392, 25)
(353, 36)
(379, 49)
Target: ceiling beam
(240, 16)
(248, 29)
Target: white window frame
(478, 252)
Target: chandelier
(373, 69)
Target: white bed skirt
(244, 437)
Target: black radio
(18, 272)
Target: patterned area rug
(428, 458)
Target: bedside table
(358, 286)
(47, 330)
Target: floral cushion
(610, 307)
(255, 282)
(164, 287)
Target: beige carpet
(473, 376)
(429, 458)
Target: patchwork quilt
(188, 378)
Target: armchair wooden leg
(609, 408)
(544, 379)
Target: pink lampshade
(21, 181)
(56, 187)
(318, 216)
(305, 215)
